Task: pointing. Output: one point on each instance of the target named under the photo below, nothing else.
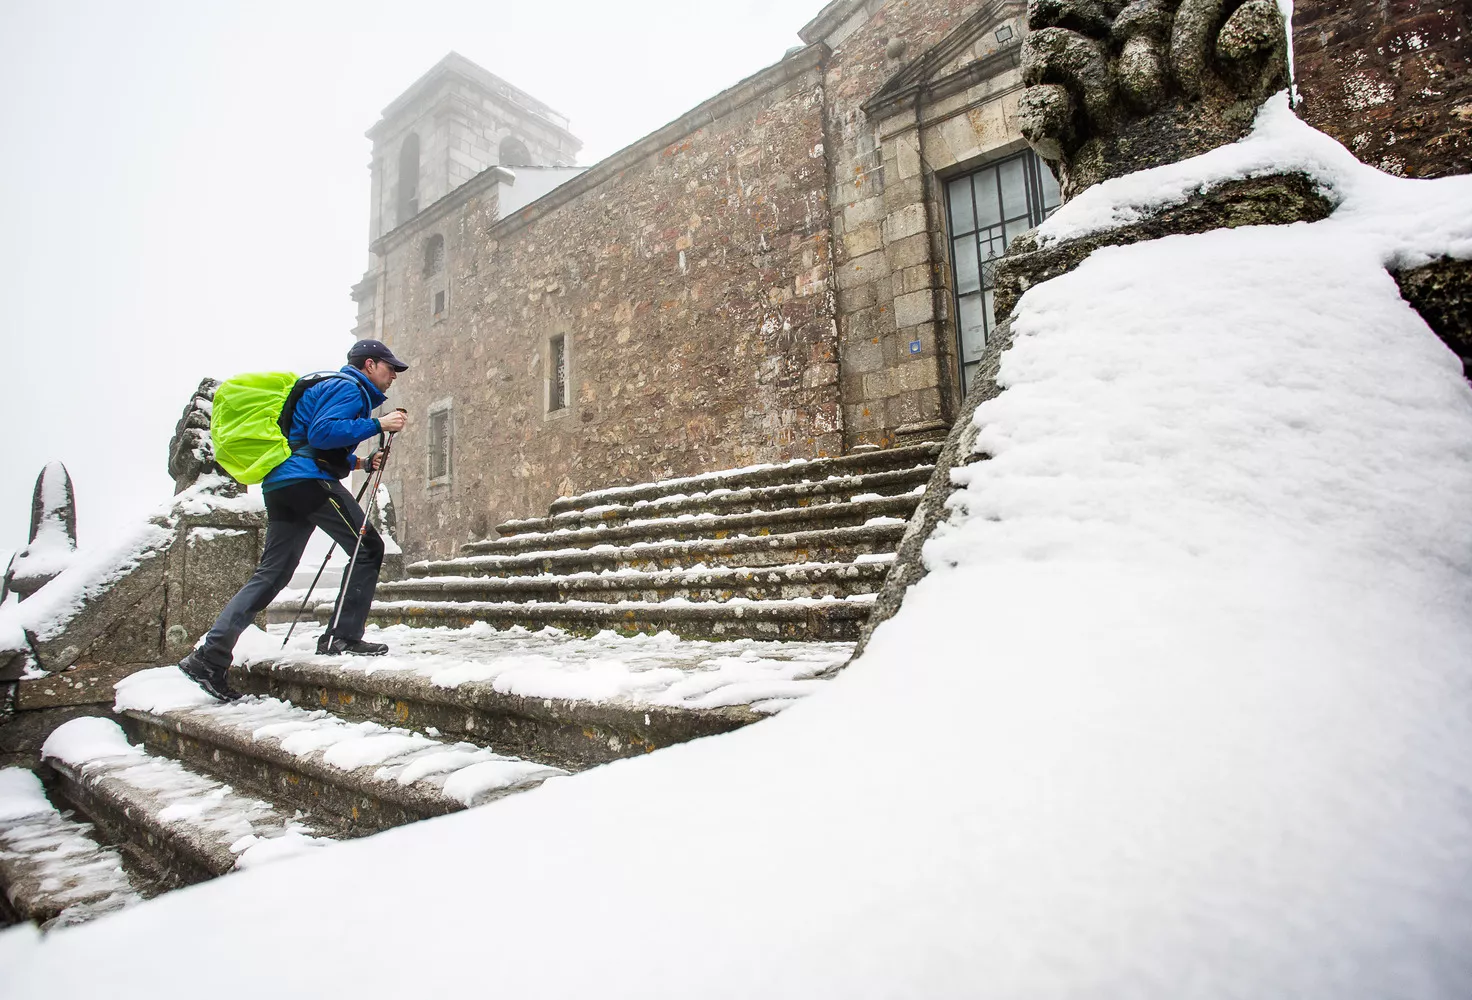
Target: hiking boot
(214, 680)
(351, 647)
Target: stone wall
(1391, 79)
(689, 278)
(883, 227)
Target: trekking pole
(320, 570)
(326, 640)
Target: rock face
(1114, 86)
(1391, 79)
(1442, 293)
(53, 536)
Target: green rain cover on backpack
(243, 424)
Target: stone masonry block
(914, 307)
(862, 213)
(861, 270)
(907, 156)
(909, 252)
(907, 221)
(864, 239)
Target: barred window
(987, 210)
(439, 445)
(557, 389)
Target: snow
(46, 613)
(88, 740)
(21, 795)
(56, 855)
(657, 670)
(461, 771)
(198, 806)
(1181, 710)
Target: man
(331, 418)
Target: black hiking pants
(292, 511)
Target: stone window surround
(549, 359)
(440, 409)
(924, 314)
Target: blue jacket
(334, 413)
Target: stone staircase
(790, 552)
(174, 789)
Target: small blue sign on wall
(914, 347)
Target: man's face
(380, 373)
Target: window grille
(986, 211)
(439, 445)
(557, 391)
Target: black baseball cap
(365, 349)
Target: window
(439, 443)
(987, 210)
(408, 200)
(434, 255)
(439, 305)
(514, 153)
(557, 374)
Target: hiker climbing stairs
(624, 621)
(788, 552)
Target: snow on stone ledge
(82, 741)
(21, 795)
(46, 613)
(1399, 217)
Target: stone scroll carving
(191, 453)
(1115, 86)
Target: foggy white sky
(186, 188)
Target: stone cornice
(456, 66)
(828, 20)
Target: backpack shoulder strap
(288, 408)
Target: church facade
(798, 267)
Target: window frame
(992, 246)
(440, 410)
(563, 339)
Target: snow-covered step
(704, 584)
(52, 870)
(800, 619)
(549, 696)
(830, 545)
(852, 513)
(362, 776)
(862, 463)
(781, 496)
(181, 824)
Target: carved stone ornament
(1116, 86)
(191, 453)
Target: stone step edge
(658, 529)
(736, 576)
(783, 610)
(778, 496)
(413, 799)
(649, 726)
(781, 472)
(835, 537)
(792, 620)
(190, 854)
(29, 880)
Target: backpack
(251, 418)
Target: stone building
(798, 267)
